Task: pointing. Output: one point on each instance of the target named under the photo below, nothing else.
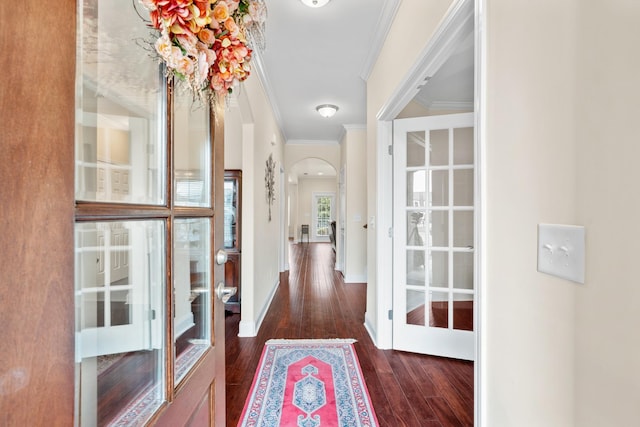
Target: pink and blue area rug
(308, 383)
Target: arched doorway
(312, 201)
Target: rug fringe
(312, 341)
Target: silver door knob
(225, 292)
(221, 256)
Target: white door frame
(430, 59)
(284, 229)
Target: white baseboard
(380, 335)
(370, 329)
(246, 328)
(355, 278)
(264, 310)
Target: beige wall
(530, 176)
(559, 147)
(414, 24)
(354, 163)
(233, 138)
(607, 315)
(258, 134)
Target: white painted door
(117, 301)
(434, 235)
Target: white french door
(117, 300)
(434, 235)
(323, 214)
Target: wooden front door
(199, 399)
(45, 222)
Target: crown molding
(388, 13)
(350, 127)
(258, 66)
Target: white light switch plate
(561, 251)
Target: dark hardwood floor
(313, 301)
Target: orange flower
(203, 41)
(232, 27)
(207, 36)
(221, 12)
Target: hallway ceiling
(324, 56)
(319, 56)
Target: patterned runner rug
(308, 383)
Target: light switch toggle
(561, 251)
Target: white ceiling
(318, 56)
(324, 55)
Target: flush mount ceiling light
(326, 110)
(315, 3)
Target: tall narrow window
(323, 207)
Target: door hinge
(390, 313)
(390, 149)
(390, 231)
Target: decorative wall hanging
(208, 43)
(270, 182)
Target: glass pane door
(434, 215)
(192, 292)
(120, 324)
(192, 156)
(120, 154)
(323, 212)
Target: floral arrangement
(204, 42)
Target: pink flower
(188, 42)
(256, 13)
(185, 66)
(203, 68)
(211, 56)
(233, 5)
(163, 46)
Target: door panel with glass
(323, 214)
(434, 235)
(148, 185)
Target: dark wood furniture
(304, 229)
(232, 234)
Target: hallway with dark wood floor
(313, 301)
